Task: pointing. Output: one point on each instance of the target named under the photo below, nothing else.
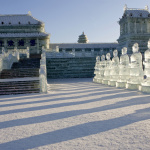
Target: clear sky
(65, 20)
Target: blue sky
(65, 20)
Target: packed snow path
(76, 114)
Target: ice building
(22, 31)
(134, 28)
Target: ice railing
(73, 53)
(43, 72)
(25, 52)
(7, 58)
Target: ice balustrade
(8, 57)
(70, 54)
(25, 52)
(43, 72)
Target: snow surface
(76, 114)
(20, 79)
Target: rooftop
(136, 12)
(24, 19)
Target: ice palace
(50, 100)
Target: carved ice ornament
(135, 48)
(124, 51)
(102, 57)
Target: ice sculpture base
(95, 80)
(145, 89)
(99, 80)
(105, 81)
(132, 86)
(112, 83)
(121, 84)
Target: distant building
(23, 31)
(83, 44)
(134, 28)
(97, 47)
(83, 38)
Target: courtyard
(76, 114)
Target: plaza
(76, 114)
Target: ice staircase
(27, 63)
(22, 78)
(19, 73)
(77, 67)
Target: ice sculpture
(102, 65)
(136, 70)
(114, 70)
(145, 84)
(124, 71)
(96, 68)
(107, 70)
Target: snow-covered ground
(76, 114)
